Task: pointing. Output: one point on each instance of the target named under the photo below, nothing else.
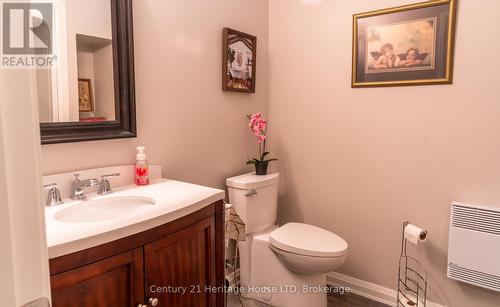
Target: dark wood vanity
(180, 263)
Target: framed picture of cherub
(405, 45)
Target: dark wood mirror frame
(124, 125)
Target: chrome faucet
(53, 195)
(78, 186)
(104, 185)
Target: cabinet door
(115, 281)
(179, 267)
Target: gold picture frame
(85, 96)
(376, 67)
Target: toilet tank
(255, 199)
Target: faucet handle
(53, 195)
(50, 186)
(110, 175)
(104, 185)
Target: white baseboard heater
(474, 245)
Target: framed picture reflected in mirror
(85, 96)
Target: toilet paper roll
(415, 234)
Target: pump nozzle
(140, 153)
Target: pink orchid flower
(258, 125)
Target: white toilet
(281, 266)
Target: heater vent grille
(474, 277)
(476, 219)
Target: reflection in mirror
(95, 78)
(80, 88)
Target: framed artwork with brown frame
(405, 45)
(85, 96)
(239, 60)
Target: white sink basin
(103, 209)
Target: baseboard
(363, 288)
(367, 289)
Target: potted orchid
(258, 125)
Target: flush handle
(251, 193)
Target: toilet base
(265, 278)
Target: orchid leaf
(253, 161)
(267, 161)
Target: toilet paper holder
(412, 277)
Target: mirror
(88, 93)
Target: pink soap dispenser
(141, 167)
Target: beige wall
(104, 82)
(360, 161)
(99, 25)
(197, 132)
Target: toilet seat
(308, 240)
(307, 265)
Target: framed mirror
(89, 94)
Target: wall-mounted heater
(474, 245)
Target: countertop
(173, 200)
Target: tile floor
(334, 300)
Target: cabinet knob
(141, 305)
(153, 301)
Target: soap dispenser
(141, 167)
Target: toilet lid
(308, 240)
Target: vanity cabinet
(179, 264)
(183, 262)
(109, 282)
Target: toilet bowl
(281, 266)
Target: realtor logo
(27, 29)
